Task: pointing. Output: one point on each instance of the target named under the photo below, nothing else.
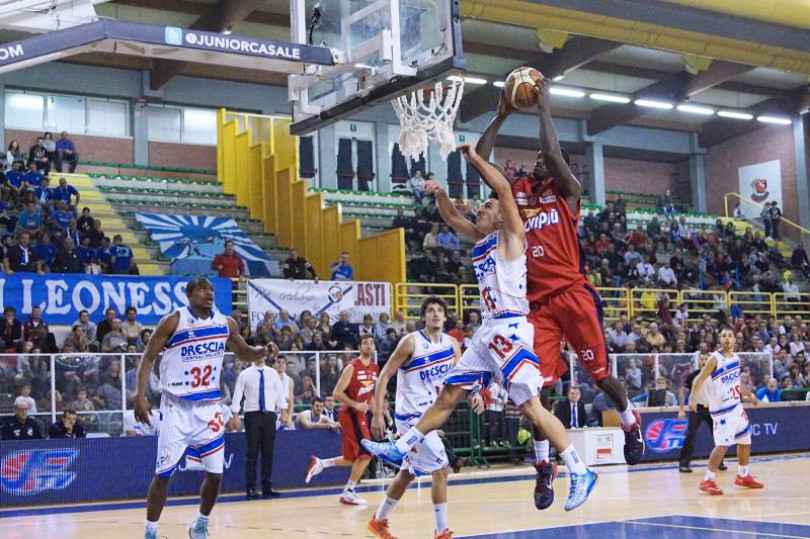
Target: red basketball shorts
(574, 315)
(355, 428)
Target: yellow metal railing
(759, 205)
(469, 298)
(644, 301)
(752, 302)
(789, 304)
(257, 162)
(701, 302)
(408, 297)
(615, 302)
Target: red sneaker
(380, 528)
(446, 534)
(710, 487)
(747, 481)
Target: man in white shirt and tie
(263, 393)
(571, 411)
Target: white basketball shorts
(426, 457)
(198, 426)
(732, 427)
(501, 349)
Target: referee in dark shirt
(297, 267)
(701, 415)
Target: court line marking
(701, 528)
(23, 511)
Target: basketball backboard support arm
(377, 55)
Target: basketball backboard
(382, 49)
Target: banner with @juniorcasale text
(357, 297)
(62, 296)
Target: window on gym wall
(182, 125)
(355, 147)
(75, 114)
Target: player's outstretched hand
(378, 427)
(433, 188)
(468, 151)
(505, 108)
(142, 409)
(541, 92)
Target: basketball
(519, 87)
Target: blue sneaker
(199, 530)
(385, 450)
(581, 487)
(150, 535)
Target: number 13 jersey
(192, 358)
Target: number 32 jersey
(192, 358)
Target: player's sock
(350, 485)
(572, 460)
(411, 438)
(440, 516)
(202, 518)
(386, 508)
(328, 463)
(709, 476)
(151, 526)
(742, 471)
(541, 450)
(628, 419)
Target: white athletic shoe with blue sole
(581, 487)
(387, 451)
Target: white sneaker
(198, 530)
(314, 468)
(350, 498)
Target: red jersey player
(564, 305)
(354, 390)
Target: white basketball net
(422, 121)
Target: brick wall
(90, 148)
(765, 144)
(620, 174)
(167, 154)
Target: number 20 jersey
(192, 358)
(553, 256)
(724, 391)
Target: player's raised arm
(487, 141)
(402, 353)
(450, 214)
(242, 350)
(514, 231)
(565, 180)
(705, 373)
(163, 332)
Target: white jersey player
(501, 349)
(731, 426)
(421, 362)
(193, 341)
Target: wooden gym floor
(644, 501)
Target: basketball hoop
(422, 121)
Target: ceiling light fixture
(467, 80)
(778, 120)
(566, 92)
(610, 98)
(695, 109)
(735, 115)
(653, 104)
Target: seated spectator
(645, 271)
(285, 320)
(21, 426)
(285, 339)
(799, 260)
(431, 239)
(666, 205)
(571, 411)
(771, 392)
(32, 178)
(13, 154)
(72, 232)
(43, 196)
(447, 240)
(400, 221)
(85, 252)
(60, 218)
(667, 278)
(131, 328)
(65, 193)
(30, 220)
(67, 427)
(96, 235)
(36, 329)
(78, 340)
(45, 251)
(343, 333)
(341, 270)
(25, 395)
(11, 330)
(68, 260)
(382, 326)
(85, 222)
(617, 337)
(669, 397)
(66, 153)
(21, 257)
(38, 156)
(122, 257)
(416, 186)
(314, 418)
(114, 340)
